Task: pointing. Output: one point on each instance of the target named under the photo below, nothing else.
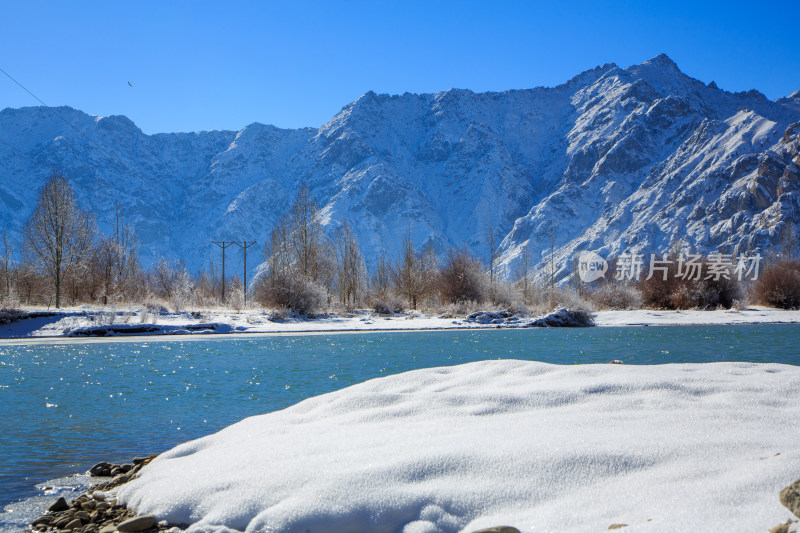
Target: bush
(296, 293)
(387, 305)
(462, 279)
(688, 293)
(504, 294)
(779, 285)
(616, 297)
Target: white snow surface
(680, 447)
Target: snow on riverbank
(541, 447)
(143, 322)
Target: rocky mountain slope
(614, 160)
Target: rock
(575, 318)
(44, 519)
(498, 529)
(137, 523)
(783, 528)
(72, 524)
(83, 516)
(617, 526)
(103, 506)
(60, 505)
(100, 469)
(790, 497)
(110, 528)
(88, 505)
(61, 522)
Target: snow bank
(537, 446)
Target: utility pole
(223, 245)
(244, 245)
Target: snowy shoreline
(64, 324)
(670, 450)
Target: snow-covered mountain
(616, 159)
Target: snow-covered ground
(681, 447)
(137, 322)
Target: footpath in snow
(681, 447)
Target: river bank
(92, 321)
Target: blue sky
(222, 65)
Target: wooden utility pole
(223, 245)
(244, 245)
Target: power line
(244, 245)
(223, 245)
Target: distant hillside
(615, 159)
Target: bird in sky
(129, 83)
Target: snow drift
(537, 446)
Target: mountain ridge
(613, 160)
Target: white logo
(591, 266)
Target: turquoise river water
(66, 406)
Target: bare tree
(382, 277)
(415, 274)
(59, 235)
(350, 263)
(524, 275)
(300, 262)
(5, 267)
(491, 242)
(306, 234)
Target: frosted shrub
(620, 297)
(569, 298)
(387, 305)
(519, 309)
(504, 294)
(291, 292)
(462, 278)
(779, 285)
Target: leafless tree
(59, 235)
(523, 275)
(306, 234)
(382, 277)
(300, 263)
(5, 267)
(350, 267)
(414, 275)
(491, 243)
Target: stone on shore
(60, 505)
(498, 529)
(790, 497)
(137, 523)
(100, 469)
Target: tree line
(66, 260)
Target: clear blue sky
(222, 65)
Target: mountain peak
(663, 60)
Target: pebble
(138, 523)
(72, 524)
